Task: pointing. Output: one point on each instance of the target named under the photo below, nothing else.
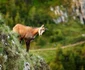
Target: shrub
(69, 59)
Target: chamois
(27, 33)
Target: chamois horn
(42, 25)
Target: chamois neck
(35, 31)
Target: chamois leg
(20, 39)
(27, 45)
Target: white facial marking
(41, 31)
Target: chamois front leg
(27, 45)
(20, 39)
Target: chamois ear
(42, 25)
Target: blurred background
(64, 20)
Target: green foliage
(69, 59)
(30, 11)
(36, 13)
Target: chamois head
(41, 30)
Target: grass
(47, 55)
(50, 55)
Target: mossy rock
(13, 56)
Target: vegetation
(13, 57)
(69, 59)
